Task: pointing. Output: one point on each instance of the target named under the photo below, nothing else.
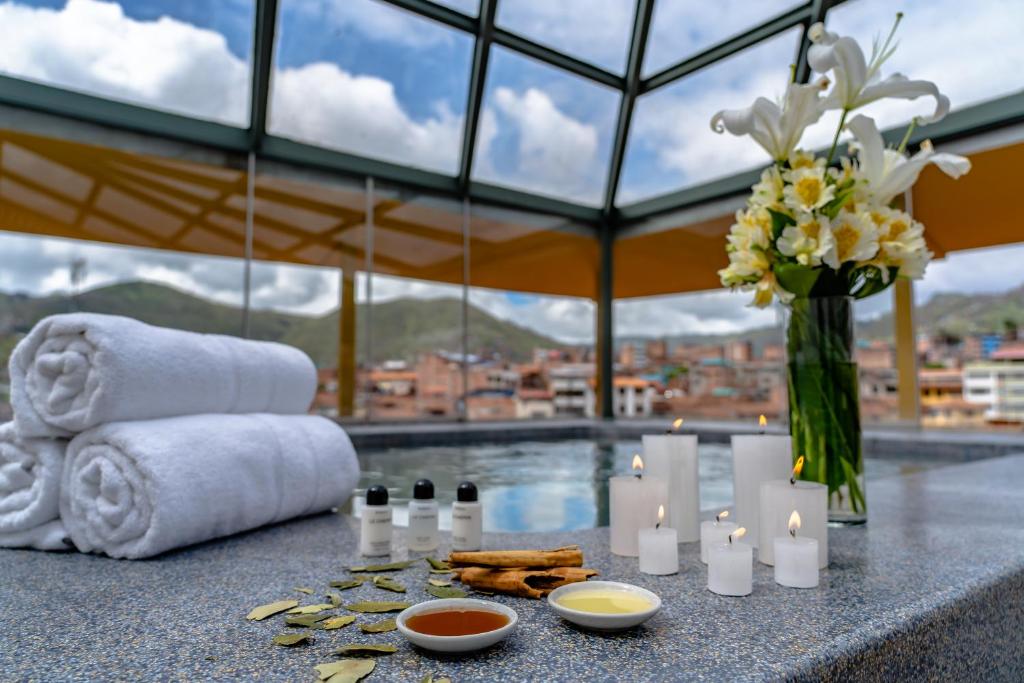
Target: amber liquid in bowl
(456, 622)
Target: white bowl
(604, 622)
(476, 641)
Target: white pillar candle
(633, 504)
(796, 558)
(673, 457)
(659, 548)
(713, 532)
(779, 499)
(731, 566)
(757, 458)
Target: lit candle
(632, 502)
(659, 548)
(673, 457)
(731, 566)
(796, 559)
(713, 532)
(757, 458)
(778, 498)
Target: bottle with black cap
(375, 539)
(423, 517)
(467, 518)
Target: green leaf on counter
(293, 639)
(336, 622)
(440, 571)
(390, 567)
(371, 606)
(345, 671)
(446, 592)
(388, 584)
(306, 620)
(311, 609)
(438, 564)
(359, 649)
(263, 611)
(307, 591)
(440, 583)
(380, 627)
(345, 585)
(334, 598)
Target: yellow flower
(801, 159)
(767, 193)
(855, 238)
(807, 241)
(806, 189)
(900, 243)
(753, 228)
(766, 289)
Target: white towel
(30, 471)
(136, 489)
(78, 370)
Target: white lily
(858, 81)
(889, 172)
(777, 129)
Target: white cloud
(567, 319)
(715, 312)
(376, 20)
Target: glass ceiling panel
(973, 55)
(190, 57)
(364, 77)
(597, 32)
(544, 130)
(671, 145)
(470, 7)
(682, 28)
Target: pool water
(547, 486)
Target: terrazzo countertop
(932, 587)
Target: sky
(365, 77)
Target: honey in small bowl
(456, 622)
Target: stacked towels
(176, 438)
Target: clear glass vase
(824, 401)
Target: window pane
(544, 130)
(981, 58)
(682, 28)
(364, 77)
(671, 144)
(597, 32)
(186, 57)
(471, 7)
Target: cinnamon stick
(569, 556)
(524, 583)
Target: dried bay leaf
(360, 649)
(429, 678)
(311, 609)
(345, 585)
(345, 671)
(307, 620)
(293, 639)
(390, 567)
(380, 627)
(336, 622)
(372, 607)
(334, 598)
(440, 583)
(307, 591)
(446, 592)
(438, 565)
(263, 611)
(440, 571)
(388, 584)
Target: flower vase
(824, 401)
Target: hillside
(402, 328)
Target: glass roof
(552, 92)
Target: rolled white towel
(30, 471)
(136, 489)
(78, 370)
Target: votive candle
(659, 548)
(731, 566)
(713, 532)
(796, 558)
(757, 458)
(633, 504)
(779, 499)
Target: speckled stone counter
(932, 587)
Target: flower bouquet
(820, 231)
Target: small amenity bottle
(422, 535)
(467, 518)
(375, 539)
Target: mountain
(402, 328)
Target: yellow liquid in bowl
(601, 601)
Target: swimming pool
(548, 486)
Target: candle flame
(762, 422)
(797, 469)
(638, 464)
(677, 424)
(738, 534)
(661, 514)
(794, 523)
(721, 515)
